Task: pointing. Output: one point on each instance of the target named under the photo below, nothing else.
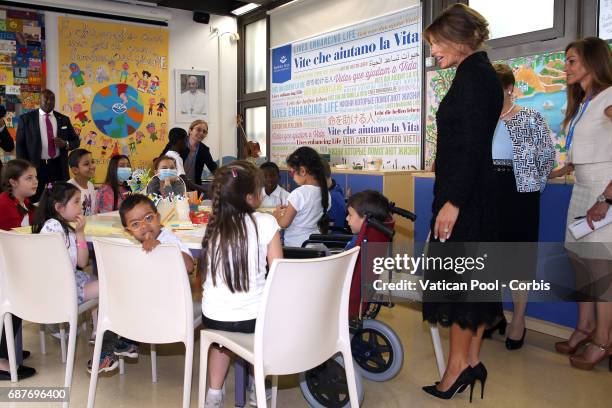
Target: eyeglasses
(137, 224)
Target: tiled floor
(534, 376)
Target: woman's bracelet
(81, 244)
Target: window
(508, 18)
(519, 22)
(253, 91)
(256, 56)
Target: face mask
(124, 173)
(165, 173)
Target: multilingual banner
(354, 94)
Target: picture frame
(192, 95)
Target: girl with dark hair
(236, 246)
(588, 119)
(19, 183)
(59, 206)
(111, 194)
(306, 211)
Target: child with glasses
(141, 220)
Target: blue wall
(553, 213)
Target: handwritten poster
(354, 94)
(114, 87)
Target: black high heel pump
(479, 372)
(465, 378)
(512, 344)
(500, 326)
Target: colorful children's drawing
(161, 106)
(151, 130)
(132, 145)
(139, 137)
(76, 75)
(81, 114)
(90, 139)
(101, 75)
(124, 72)
(163, 131)
(143, 83)
(154, 86)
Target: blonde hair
(459, 24)
(196, 123)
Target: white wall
(306, 18)
(192, 46)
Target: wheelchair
(377, 350)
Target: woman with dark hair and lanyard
(588, 119)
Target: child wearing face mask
(112, 193)
(166, 180)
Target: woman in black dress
(462, 207)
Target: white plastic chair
(83, 307)
(302, 322)
(153, 286)
(197, 322)
(38, 285)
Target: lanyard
(573, 123)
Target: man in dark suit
(44, 138)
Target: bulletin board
(113, 81)
(22, 64)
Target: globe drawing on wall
(117, 110)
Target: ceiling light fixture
(245, 9)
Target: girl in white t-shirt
(236, 247)
(60, 205)
(306, 211)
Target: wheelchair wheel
(377, 350)
(325, 385)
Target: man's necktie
(50, 142)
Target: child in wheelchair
(376, 348)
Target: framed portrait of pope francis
(192, 95)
